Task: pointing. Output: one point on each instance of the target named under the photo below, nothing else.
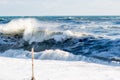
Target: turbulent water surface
(89, 38)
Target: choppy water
(61, 37)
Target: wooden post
(32, 50)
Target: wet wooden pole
(32, 50)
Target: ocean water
(71, 38)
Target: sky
(59, 7)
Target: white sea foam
(20, 69)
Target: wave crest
(44, 55)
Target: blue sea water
(61, 37)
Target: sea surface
(69, 38)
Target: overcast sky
(59, 7)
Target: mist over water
(62, 38)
